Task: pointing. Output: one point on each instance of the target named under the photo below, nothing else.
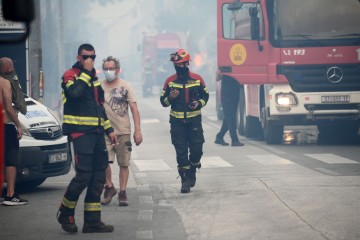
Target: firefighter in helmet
(148, 76)
(185, 92)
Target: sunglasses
(88, 56)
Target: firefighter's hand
(194, 105)
(113, 138)
(138, 138)
(89, 64)
(173, 94)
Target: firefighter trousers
(91, 160)
(188, 140)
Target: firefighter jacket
(83, 99)
(191, 88)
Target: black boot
(184, 175)
(192, 174)
(221, 141)
(67, 222)
(98, 227)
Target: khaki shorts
(122, 151)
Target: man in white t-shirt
(119, 95)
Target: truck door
(242, 50)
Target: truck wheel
(273, 133)
(29, 185)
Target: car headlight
(286, 100)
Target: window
(237, 24)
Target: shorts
(122, 151)
(11, 146)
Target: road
(289, 191)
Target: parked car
(44, 150)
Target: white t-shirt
(118, 95)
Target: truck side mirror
(19, 13)
(18, 10)
(236, 5)
(255, 23)
(255, 26)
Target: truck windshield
(314, 21)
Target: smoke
(116, 27)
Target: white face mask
(110, 75)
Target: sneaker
(108, 195)
(123, 201)
(15, 200)
(67, 222)
(237, 144)
(221, 142)
(2, 200)
(99, 227)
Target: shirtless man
(13, 133)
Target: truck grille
(47, 133)
(322, 78)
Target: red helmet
(181, 55)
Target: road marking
(145, 215)
(146, 200)
(269, 159)
(330, 158)
(150, 120)
(214, 162)
(140, 175)
(143, 187)
(144, 234)
(151, 165)
(327, 171)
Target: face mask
(181, 70)
(110, 75)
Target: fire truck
(156, 49)
(295, 62)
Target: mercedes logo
(50, 132)
(334, 74)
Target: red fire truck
(156, 49)
(296, 62)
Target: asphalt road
(290, 191)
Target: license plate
(57, 157)
(335, 99)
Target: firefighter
(148, 76)
(85, 123)
(186, 93)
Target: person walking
(186, 93)
(13, 131)
(119, 95)
(85, 122)
(229, 100)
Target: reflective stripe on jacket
(83, 99)
(191, 89)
